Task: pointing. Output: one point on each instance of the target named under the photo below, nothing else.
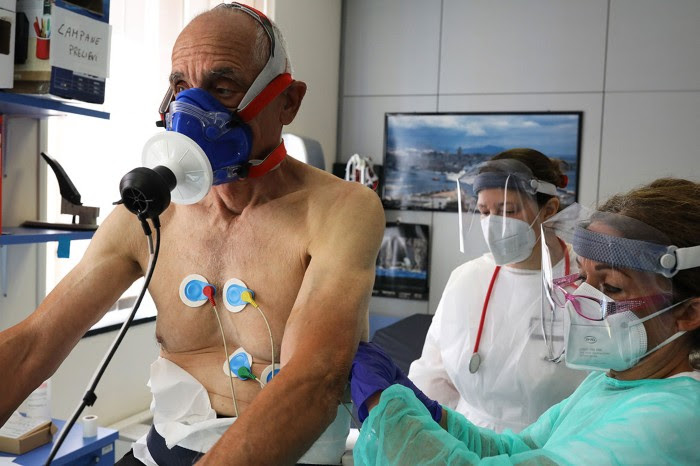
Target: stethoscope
(475, 360)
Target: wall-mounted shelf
(39, 106)
(19, 235)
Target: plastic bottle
(38, 403)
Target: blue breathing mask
(223, 136)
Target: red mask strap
(267, 95)
(271, 161)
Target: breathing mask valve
(175, 169)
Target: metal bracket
(86, 215)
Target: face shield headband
(530, 185)
(634, 254)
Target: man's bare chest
(271, 265)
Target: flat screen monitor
(425, 153)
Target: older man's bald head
(242, 24)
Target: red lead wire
(208, 291)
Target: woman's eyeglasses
(593, 308)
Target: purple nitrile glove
(372, 371)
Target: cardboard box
(7, 42)
(66, 51)
(37, 437)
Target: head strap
(259, 168)
(496, 179)
(267, 84)
(634, 254)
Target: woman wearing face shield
(631, 314)
(483, 355)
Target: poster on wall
(402, 263)
(425, 153)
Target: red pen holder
(43, 45)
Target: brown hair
(544, 168)
(671, 206)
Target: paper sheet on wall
(79, 43)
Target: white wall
(312, 31)
(632, 67)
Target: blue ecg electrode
(239, 358)
(233, 291)
(233, 294)
(238, 361)
(192, 290)
(269, 376)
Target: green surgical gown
(605, 421)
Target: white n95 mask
(616, 342)
(510, 240)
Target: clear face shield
(499, 197)
(614, 311)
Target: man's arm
(32, 350)
(320, 340)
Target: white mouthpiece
(186, 160)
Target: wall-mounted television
(425, 153)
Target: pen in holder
(43, 40)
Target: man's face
(215, 53)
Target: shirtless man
(303, 240)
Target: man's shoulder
(333, 192)
(341, 210)
(119, 233)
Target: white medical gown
(514, 384)
(605, 421)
